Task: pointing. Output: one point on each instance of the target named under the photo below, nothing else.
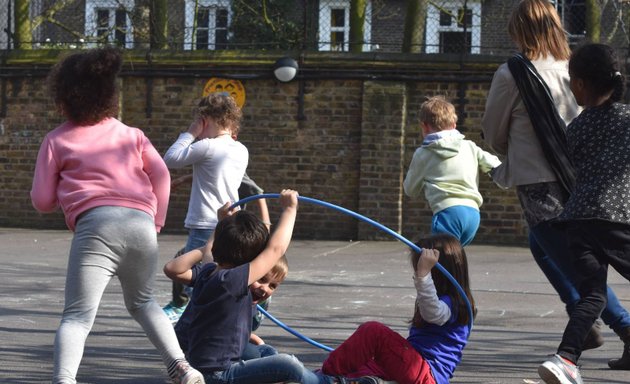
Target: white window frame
(189, 12)
(91, 27)
(434, 28)
(325, 13)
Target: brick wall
(352, 149)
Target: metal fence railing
(441, 26)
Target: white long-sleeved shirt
(432, 309)
(218, 168)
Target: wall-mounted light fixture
(285, 69)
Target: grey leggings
(111, 241)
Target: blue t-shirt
(215, 327)
(441, 346)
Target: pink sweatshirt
(109, 163)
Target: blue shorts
(459, 220)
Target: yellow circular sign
(232, 87)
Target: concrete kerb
(332, 287)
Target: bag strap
(546, 121)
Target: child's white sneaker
(183, 373)
(559, 371)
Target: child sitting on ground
(439, 328)
(248, 187)
(261, 292)
(446, 167)
(219, 314)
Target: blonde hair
(222, 108)
(281, 269)
(536, 28)
(438, 113)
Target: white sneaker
(185, 374)
(559, 371)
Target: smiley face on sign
(232, 87)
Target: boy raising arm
(217, 322)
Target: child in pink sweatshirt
(113, 188)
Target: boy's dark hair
(83, 85)
(453, 259)
(238, 239)
(597, 65)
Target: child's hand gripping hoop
(365, 219)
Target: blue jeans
(549, 247)
(459, 220)
(253, 351)
(197, 238)
(272, 369)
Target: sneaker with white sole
(173, 312)
(558, 370)
(183, 373)
(361, 380)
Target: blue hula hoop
(365, 219)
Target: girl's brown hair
(536, 28)
(222, 108)
(83, 85)
(453, 259)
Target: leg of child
(593, 273)
(553, 241)
(375, 343)
(594, 245)
(90, 269)
(136, 272)
(281, 368)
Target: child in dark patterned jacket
(596, 217)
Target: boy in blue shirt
(218, 319)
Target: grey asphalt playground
(332, 287)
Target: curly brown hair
(83, 85)
(222, 108)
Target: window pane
(102, 22)
(455, 42)
(575, 21)
(221, 33)
(336, 41)
(445, 19)
(222, 18)
(121, 27)
(338, 17)
(464, 18)
(203, 20)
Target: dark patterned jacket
(599, 146)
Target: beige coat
(508, 130)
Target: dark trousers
(593, 244)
